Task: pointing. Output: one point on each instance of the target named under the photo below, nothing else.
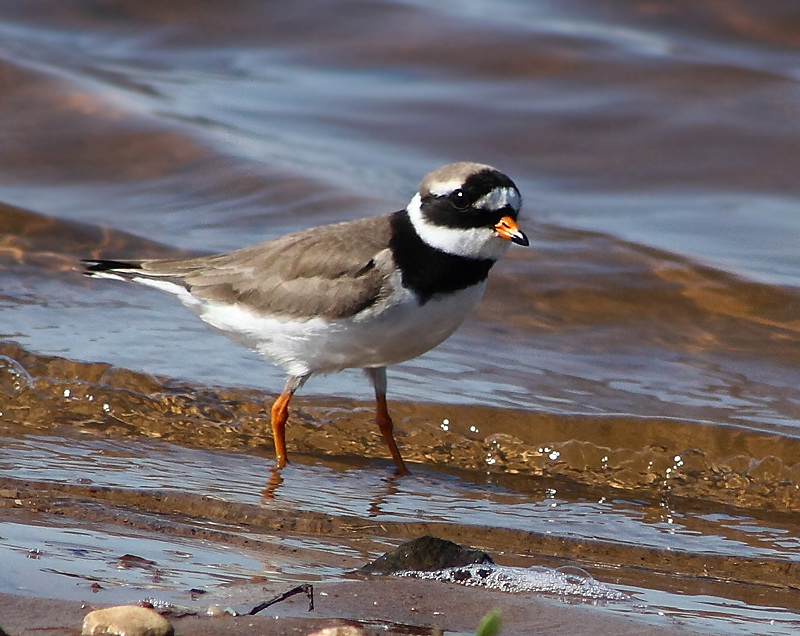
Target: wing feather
(332, 271)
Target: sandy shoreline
(380, 605)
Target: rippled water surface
(625, 398)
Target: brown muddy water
(625, 399)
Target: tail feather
(117, 270)
(94, 267)
(135, 272)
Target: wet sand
(380, 606)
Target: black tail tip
(96, 266)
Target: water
(630, 380)
(226, 523)
(565, 582)
(103, 565)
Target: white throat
(478, 242)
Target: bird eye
(459, 199)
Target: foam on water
(566, 581)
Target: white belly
(398, 332)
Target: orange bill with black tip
(508, 229)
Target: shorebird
(360, 294)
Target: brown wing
(332, 271)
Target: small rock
(426, 554)
(341, 630)
(216, 611)
(132, 561)
(126, 620)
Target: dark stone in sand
(426, 554)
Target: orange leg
(280, 413)
(378, 377)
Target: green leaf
(490, 624)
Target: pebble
(126, 620)
(342, 630)
(216, 611)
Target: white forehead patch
(443, 188)
(498, 198)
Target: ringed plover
(360, 294)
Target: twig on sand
(305, 588)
